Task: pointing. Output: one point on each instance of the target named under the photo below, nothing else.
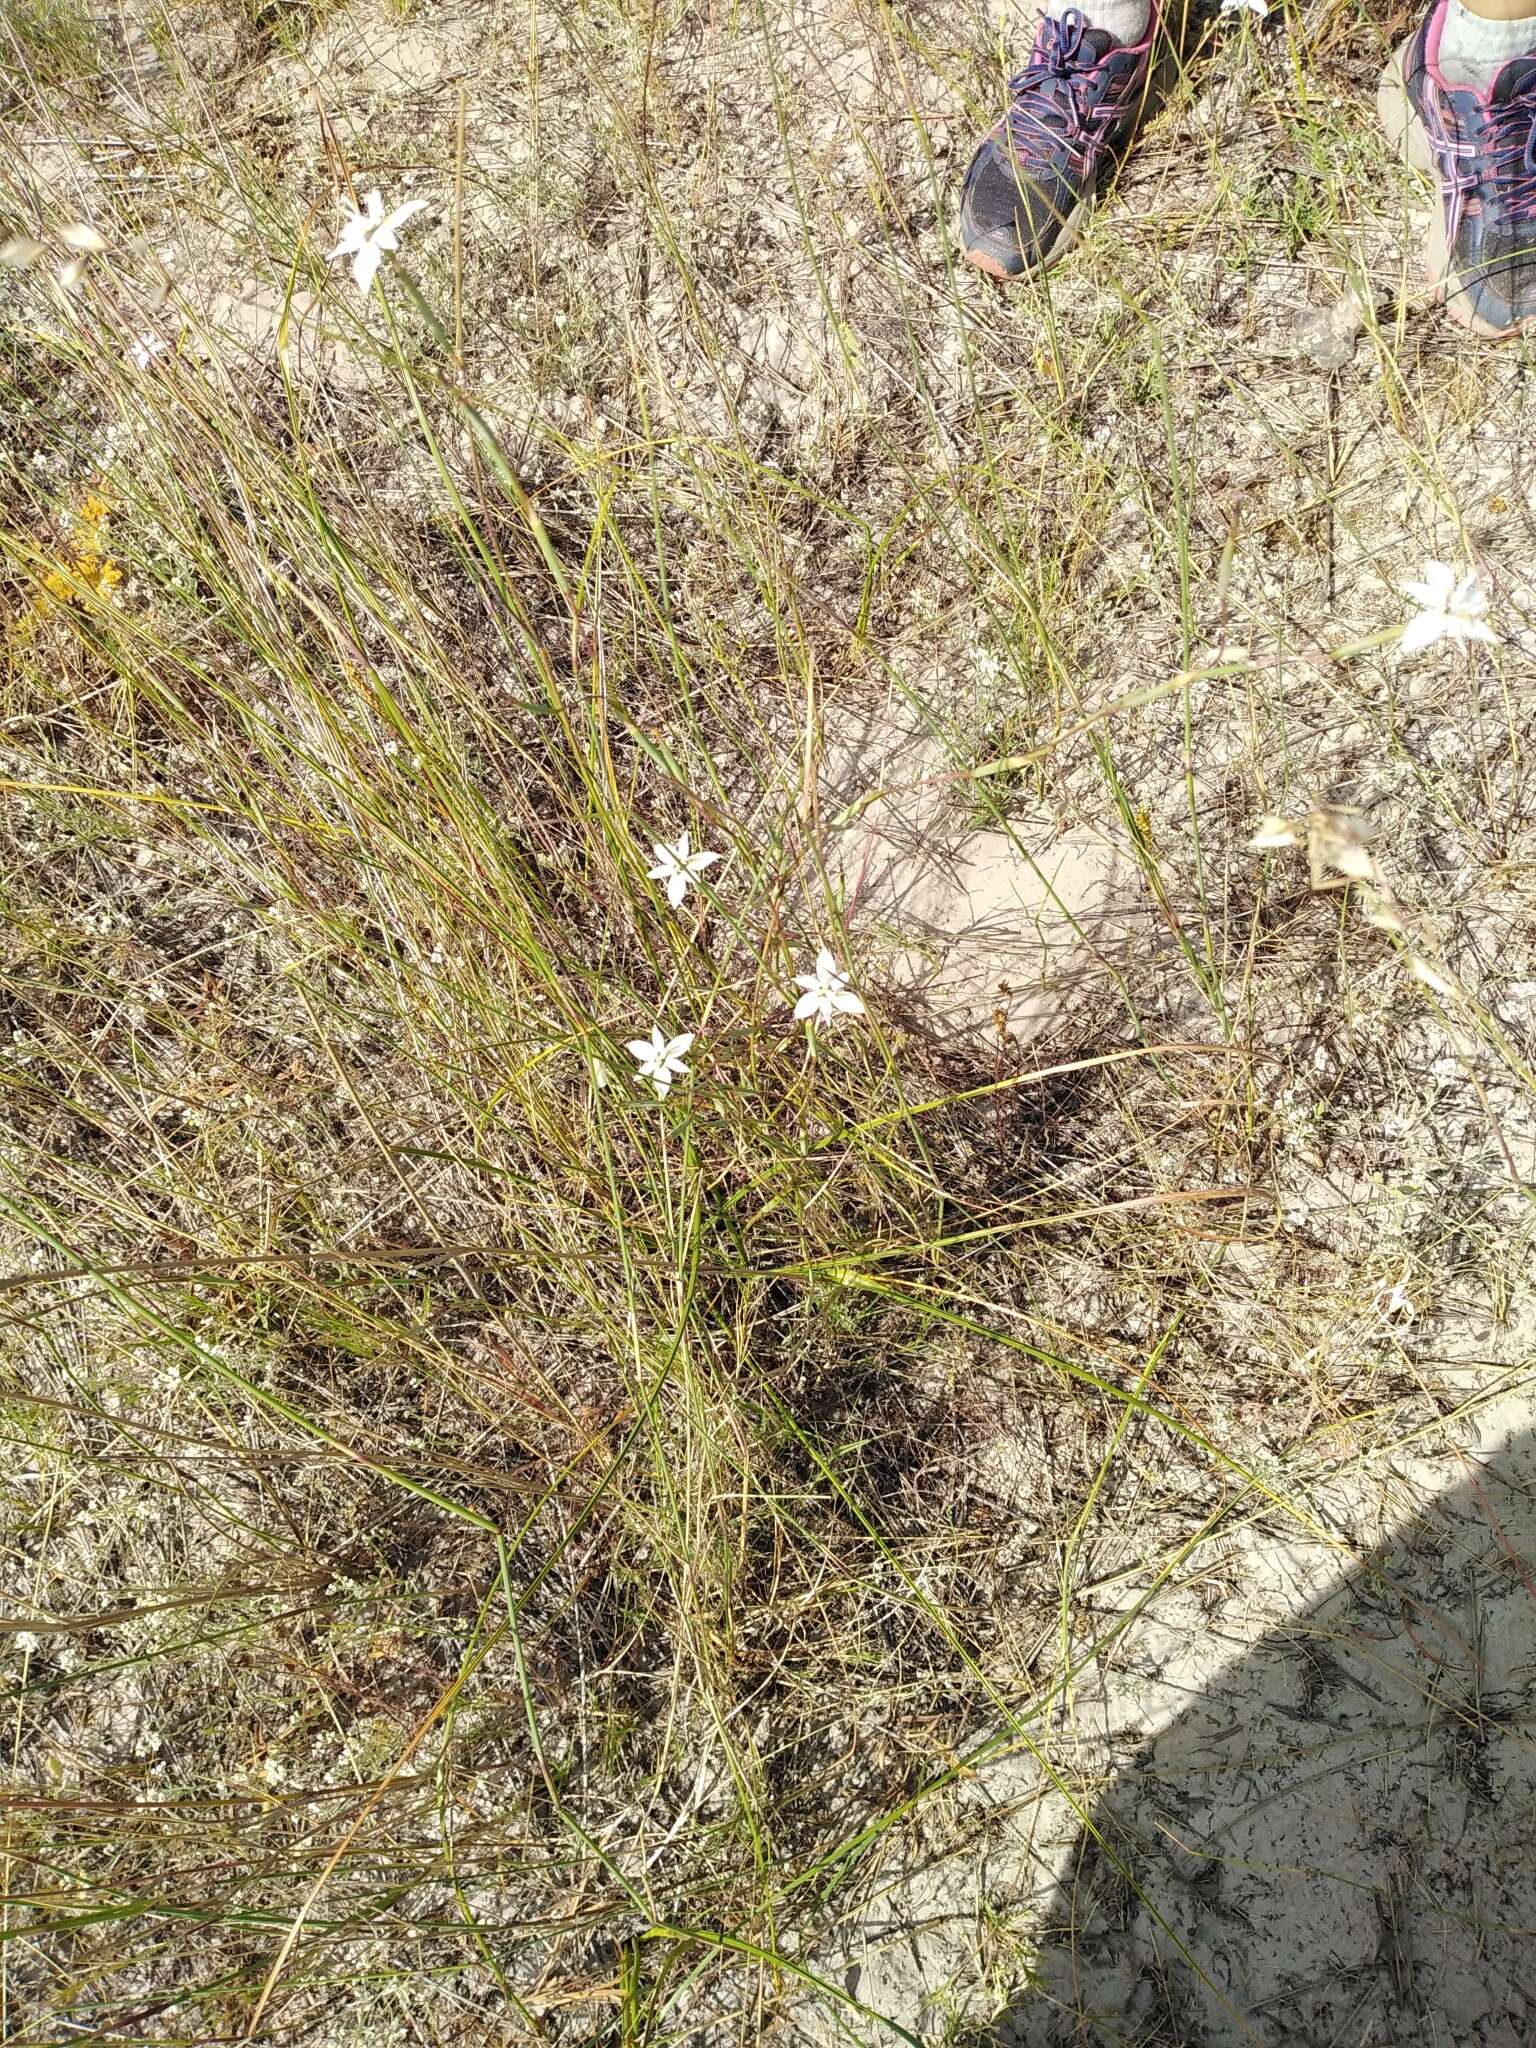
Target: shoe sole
(1071, 233)
(1409, 137)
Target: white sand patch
(991, 932)
(995, 928)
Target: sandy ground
(1293, 1800)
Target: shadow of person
(1335, 1842)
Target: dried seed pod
(1431, 977)
(1343, 856)
(1380, 908)
(1274, 833)
(83, 239)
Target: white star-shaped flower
(366, 235)
(827, 994)
(678, 868)
(1452, 609)
(145, 348)
(1394, 1304)
(659, 1058)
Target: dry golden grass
(493, 1554)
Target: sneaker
(1481, 148)
(1033, 179)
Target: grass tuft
(496, 1551)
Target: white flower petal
(1422, 632)
(1439, 582)
(807, 1006)
(677, 887)
(367, 235)
(676, 1047)
(1453, 608)
(697, 862)
(641, 1048)
(401, 215)
(365, 267)
(827, 967)
(845, 1000)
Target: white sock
(1125, 20)
(1473, 51)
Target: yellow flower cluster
(83, 562)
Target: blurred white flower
(1452, 609)
(145, 348)
(987, 668)
(660, 1059)
(1274, 833)
(1258, 8)
(827, 994)
(366, 235)
(677, 867)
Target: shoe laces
(1512, 153)
(1496, 159)
(1046, 111)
